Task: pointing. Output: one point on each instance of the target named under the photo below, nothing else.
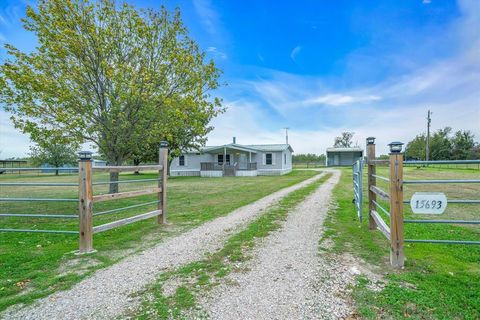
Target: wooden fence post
(372, 181)
(397, 256)
(162, 183)
(85, 195)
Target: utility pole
(286, 134)
(427, 144)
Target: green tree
(190, 133)
(56, 154)
(416, 148)
(308, 158)
(344, 141)
(109, 75)
(463, 142)
(441, 145)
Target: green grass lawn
(439, 281)
(34, 265)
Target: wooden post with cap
(162, 182)
(85, 195)
(372, 181)
(397, 256)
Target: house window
(269, 158)
(181, 160)
(285, 158)
(220, 159)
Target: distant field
(452, 190)
(33, 265)
(468, 166)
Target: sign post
(397, 256)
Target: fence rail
(86, 199)
(127, 168)
(122, 195)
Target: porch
(229, 161)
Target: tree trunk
(113, 186)
(169, 165)
(56, 172)
(136, 162)
(114, 176)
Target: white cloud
(3, 21)
(340, 99)
(12, 142)
(216, 53)
(427, 1)
(393, 109)
(295, 52)
(207, 14)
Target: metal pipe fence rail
(86, 199)
(358, 186)
(44, 216)
(394, 232)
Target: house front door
(242, 161)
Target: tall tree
(56, 154)
(415, 149)
(462, 144)
(189, 133)
(109, 75)
(440, 144)
(344, 141)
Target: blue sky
(322, 67)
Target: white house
(234, 160)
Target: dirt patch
(79, 265)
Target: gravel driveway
(106, 294)
(287, 278)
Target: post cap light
(395, 147)
(163, 144)
(371, 140)
(85, 155)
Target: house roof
(351, 149)
(230, 146)
(270, 147)
(248, 148)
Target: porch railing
(250, 166)
(213, 166)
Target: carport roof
(352, 149)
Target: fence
(86, 199)
(302, 165)
(424, 202)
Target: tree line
(445, 144)
(308, 158)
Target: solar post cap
(371, 140)
(395, 147)
(85, 155)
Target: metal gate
(358, 186)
